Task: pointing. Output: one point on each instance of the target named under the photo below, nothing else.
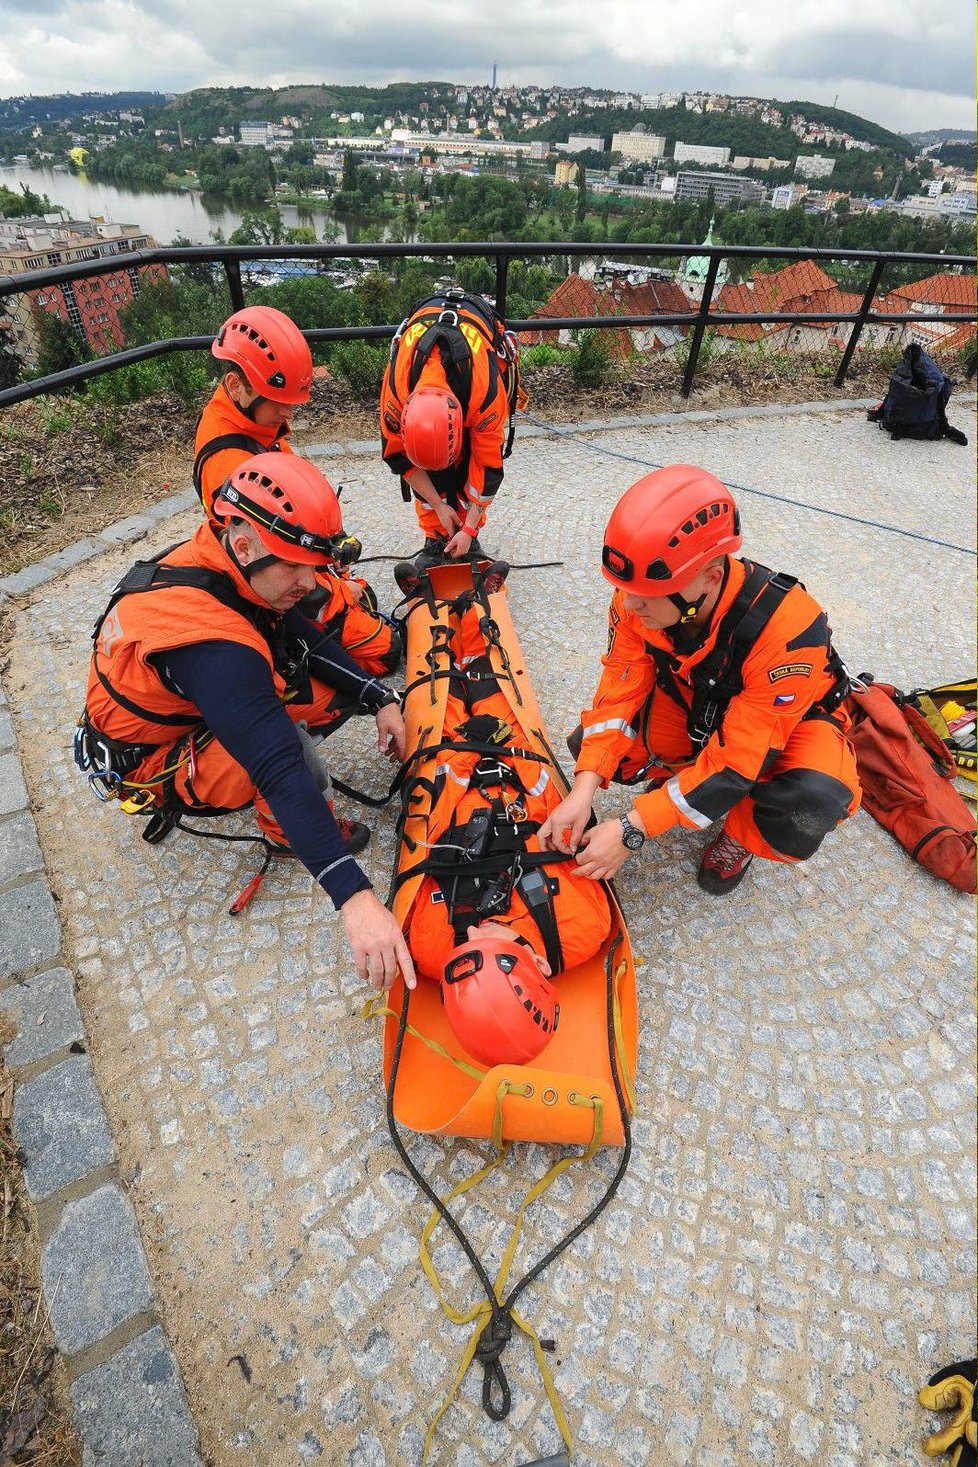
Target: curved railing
(696, 321)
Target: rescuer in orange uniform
(268, 374)
(487, 804)
(445, 411)
(204, 671)
(721, 692)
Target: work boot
(724, 865)
(432, 553)
(408, 578)
(494, 575)
(355, 834)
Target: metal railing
(697, 320)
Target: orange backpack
(905, 771)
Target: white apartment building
(814, 165)
(638, 147)
(700, 153)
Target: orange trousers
(209, 782)
(806, 791)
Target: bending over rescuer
(267, 375)
(721, 694)
(447, 406)
(205, 675)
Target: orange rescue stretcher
(578, 1092)
(591, 1057)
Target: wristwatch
(631, 837)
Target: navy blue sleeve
(330, 662)
(232, 686)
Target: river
(164, 214)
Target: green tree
(10, 363)
(59, 345)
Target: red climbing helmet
(270, 350)
(431, 426)
(291, 505)
(500, 1007)
(666, 528)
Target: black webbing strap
(219, 444)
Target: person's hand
(376, 941)
(460, 544)
(354, 589)
(953, 1389)
(391, 734)
(448, 518)
(563, 827)
(602, 852)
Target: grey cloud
(930, 62)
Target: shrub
(591, 362)
(362, 365)
(541, 355)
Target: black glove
(953, 1389)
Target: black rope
(760, 493)
(497, 1330)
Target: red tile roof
(802, 278)
(944, 289)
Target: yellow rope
(481, 1314)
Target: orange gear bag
(905, 771)
(436, 1087)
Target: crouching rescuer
(205, 678)
(720, 694)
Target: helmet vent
(273, 490)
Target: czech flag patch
(783, 699)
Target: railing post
(502, 271)
(700, 327)
(859, 323)
(232, 269)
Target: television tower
(494, 66)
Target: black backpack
(914, 406)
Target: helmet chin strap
(687, 609)
(253, 566)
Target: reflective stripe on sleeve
(681, 803)
(541, 784)
(612, 723)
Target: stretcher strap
(376, 1008)
(492, 1319)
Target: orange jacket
(580, 905)
(479, 472)
(145, 623)
(784, 675)
(223, 418)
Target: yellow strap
(623, 1065)
(376, 1008)
(480, 1314)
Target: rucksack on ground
(916, 400)
(905, 771)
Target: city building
(693, 269)
(577, 296)
(565, 173)
(700, 153)
(582, 143)
(724, 187)
(638, 146)
(814, 165)
(91, 306)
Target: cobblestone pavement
(792, 1251)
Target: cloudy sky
(908, 64)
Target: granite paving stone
(30, 933)
(61, 1126)
(94, 1269)
(133, 1409)
(46, 1015)
(20, 854)
(792, 1250)
(13, 791)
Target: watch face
(632, 839)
